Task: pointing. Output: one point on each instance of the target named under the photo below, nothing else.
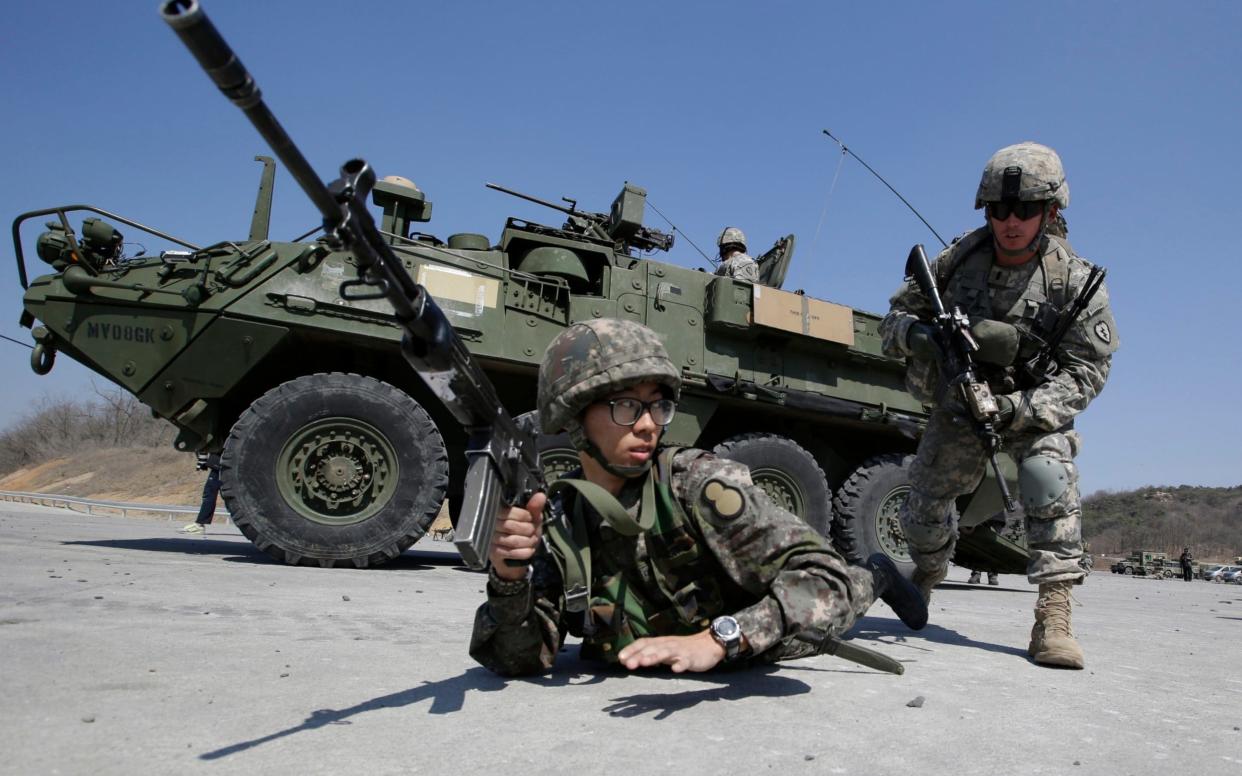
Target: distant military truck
(1145, 563)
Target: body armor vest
(626, 578)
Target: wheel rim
(556, 462)
(781, 488)
(888, 531)
(337, 471)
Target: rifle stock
(503, 462)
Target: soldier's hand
(921, 341)
(517, 536)
(699, 652)
(998, 342)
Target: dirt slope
(143, 474)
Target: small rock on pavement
(344, 598)
(917, 703)
(89, 718)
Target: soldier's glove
(998, 342)
(921, 341)
(1007, 409)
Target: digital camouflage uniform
(739, 266)
(950, 460)
(735, 262)
(763, 565)
(690, 537)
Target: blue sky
(715, 108)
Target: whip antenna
(846, 150)
(673, 226)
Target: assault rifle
(957, 366)
(503, 463)
(1043, 366)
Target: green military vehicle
(1147, 563)
(334, 452)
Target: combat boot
(974, 578)
(1052, 640)
(898, 592)
(926, 580)
(993, 579)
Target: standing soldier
(1015, 281)
(734, 261)
(658, 555)
(1188, 565)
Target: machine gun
(503, 459)
(622, 225)
(958, 366)
(1043, 366)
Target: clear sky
(717, 109)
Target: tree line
(59, 427)
(1166, 519)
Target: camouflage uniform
(739, 266)
(764, 566)
(705, 541)
(735, 263)
(950, 460)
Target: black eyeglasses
(627, 411)
(1024, 209)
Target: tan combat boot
(1052, 640)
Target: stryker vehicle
(335, 453)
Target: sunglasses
(1024, 209)
(627, 411)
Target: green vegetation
(1166, 519)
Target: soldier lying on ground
(657, 555)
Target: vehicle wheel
(788, 474)
(1128, 571)
(334, 469)
(867, 507)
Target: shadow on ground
(235, 551)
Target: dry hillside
(155, 475)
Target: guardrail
(89, 506)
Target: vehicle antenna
(683, 234)
(847, 150)
(18, 342)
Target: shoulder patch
(724, 499)
(1103, 331)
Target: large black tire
(334, 469)
(866, 510)
(787, 473)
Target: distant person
(993, 578)
(1187, 564)
(735, 262)
(211, 489)
(1014, 280)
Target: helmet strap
(577, 435)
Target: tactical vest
(966, 281)
(626, 578)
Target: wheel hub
(337, 471)
(888, 524)
(782, 489)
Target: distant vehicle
(1220, 574)
(1144, 563)
(1233, 577)
(1207, 571)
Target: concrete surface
(127, 648)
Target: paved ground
(129, 649)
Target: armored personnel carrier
(333, 451)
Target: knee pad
(1042, 480)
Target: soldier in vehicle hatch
(1014, 279)
(658, 555)
(735, 262)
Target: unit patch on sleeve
(725, 500)
(1103, 332)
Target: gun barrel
(918, 268)
(216, 57)
(536, 200)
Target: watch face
(725, 627)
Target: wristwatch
(727, 634)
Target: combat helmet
(731, 234)
(591, 360)
(1026, 171)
